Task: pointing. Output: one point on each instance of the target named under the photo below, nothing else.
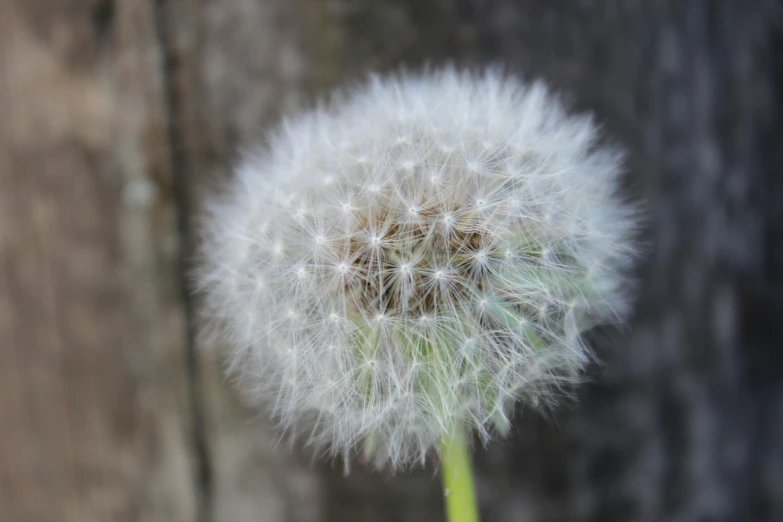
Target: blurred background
(116, 116)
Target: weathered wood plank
(94, 417)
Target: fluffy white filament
(417, 256)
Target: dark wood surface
(116, 117)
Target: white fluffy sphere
(414, 258)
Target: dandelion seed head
(446, 238)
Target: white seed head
(468, 235)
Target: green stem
(457, 474)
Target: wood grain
(94, 416)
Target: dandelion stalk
(457, 476)
(423, 252)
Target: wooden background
(117, 115)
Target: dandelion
(469, 234)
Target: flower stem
(457, 474)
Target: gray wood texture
(94, 410)
(117, 117)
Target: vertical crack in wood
(203, 467)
